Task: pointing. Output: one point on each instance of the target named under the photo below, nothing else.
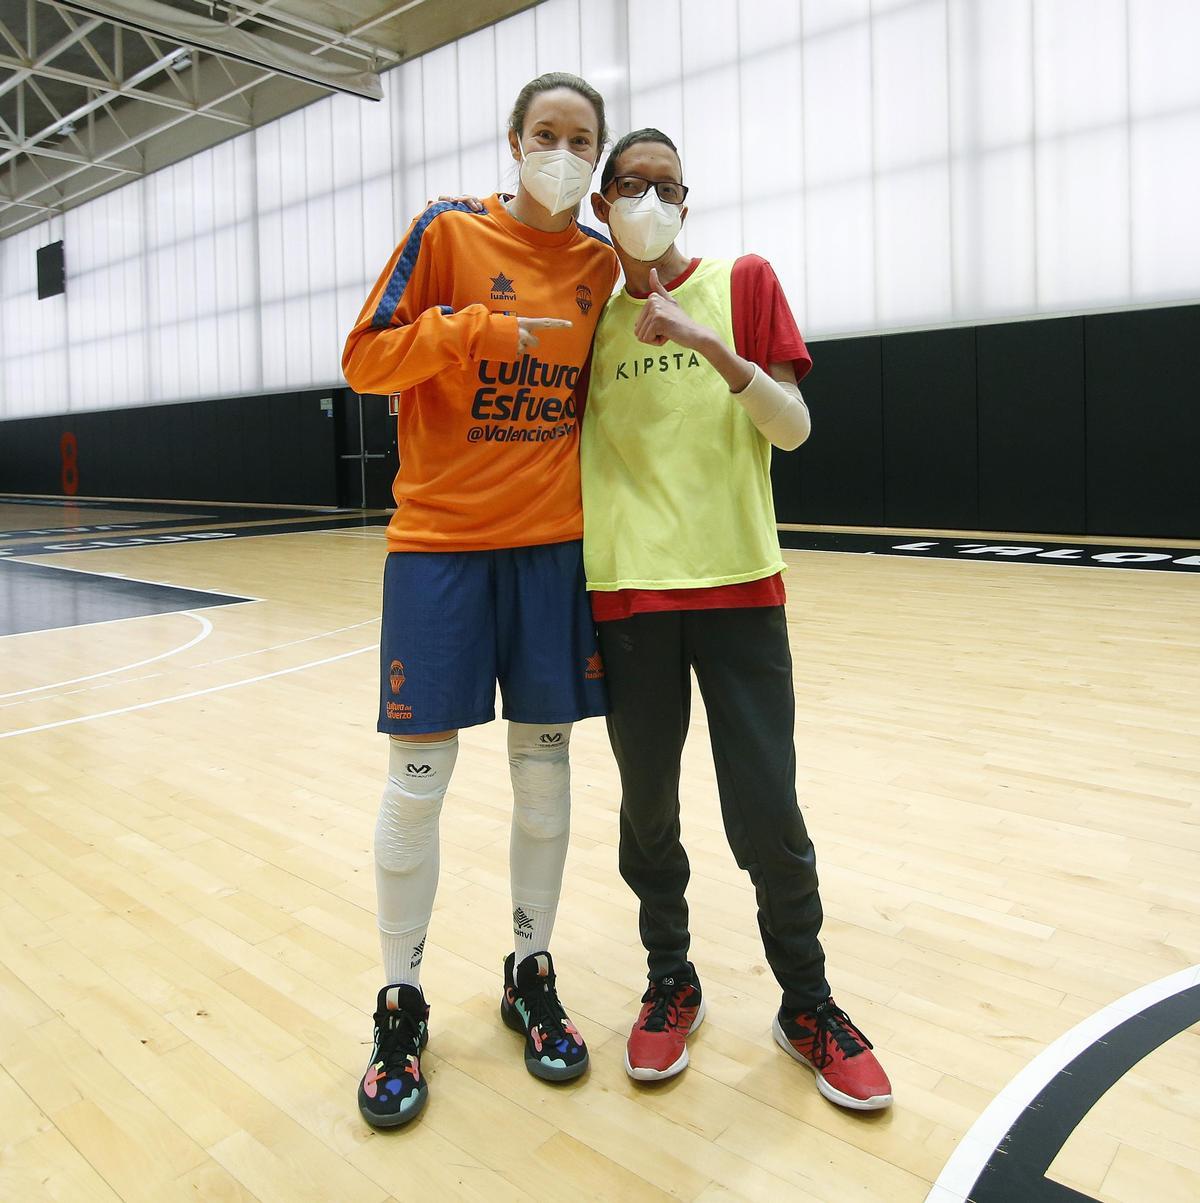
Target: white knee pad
(539, 759)
(407, 827)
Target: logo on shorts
(396, 675)
(594, 671)
(556, 738)
(583, 298)
(419, 770)
(502, 288)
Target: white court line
(205, 631)
(258, 651)
(966, 1163)
(182, 697)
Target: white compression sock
(406, 851)
(539, 761)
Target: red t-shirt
(764, 332)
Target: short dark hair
(547, 83)
(623, 144)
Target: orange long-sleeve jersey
(489, 439)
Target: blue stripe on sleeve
(390, 300)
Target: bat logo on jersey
(396, 676)
(502, 288)
(583, 298)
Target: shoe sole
(399, 1119)
(643, 1074)
(547, 1073)
(877, 1102)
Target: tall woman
(483, 320)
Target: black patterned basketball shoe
(554, 1049)
(393, 1091)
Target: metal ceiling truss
(92, 95)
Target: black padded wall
(930, 433)
(836, 477)
(1032, 439)
(277, 449)
(1143, 422)
(1059, 426)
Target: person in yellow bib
(693, 378)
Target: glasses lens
(669, 193)
(631, 185)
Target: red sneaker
(838, 1053)
(672, 1009)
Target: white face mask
(556, 179)
(644, 225)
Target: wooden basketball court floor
(999, 762)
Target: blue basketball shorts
(457, 622)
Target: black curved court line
(1016, 1170)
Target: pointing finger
(546, 323)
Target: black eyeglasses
(634, 187)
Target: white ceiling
(96, 92)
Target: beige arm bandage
(776, 409)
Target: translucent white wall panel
(557, 25)
(410, 99)
(1164, 49)
(838, 135)
(840, 258)
(605, 60)
(771, 140)
(1080, 53)
(910, 89)
(656, 66)
(912, 251)
(1165, 198)
(709, 138)
(994, 251)
(820, 16)
(1083, 220)
(439, 100)
(479, 118)
(516, 65)
(990, 75)
(900, 162)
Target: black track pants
(744, 667)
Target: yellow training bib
(676, 478)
